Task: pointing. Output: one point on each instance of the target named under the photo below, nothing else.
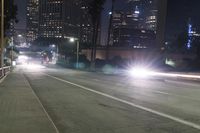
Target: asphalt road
(84, 102)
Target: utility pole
(77, 54)
(2, 35)
(12, 45)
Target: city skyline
(177, 18)
(58, 20)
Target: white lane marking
(176, 119)
(175, 95)
(195, 84)
(160, 92)
(96, 79)
(43, 108)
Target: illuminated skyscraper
(58, 19)
(32, 20)
(51, 19)
(76, 20)
(136, 25)
(190, 35)
(147, 11)
(150, 15)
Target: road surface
(84, 102)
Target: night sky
(179, 12)
(21, 14)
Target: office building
(147, 12)
(136, 26)
(51, 22)
(58, 19)
(151, 12)
(32, 20)
(77, 22)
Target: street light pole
(12, 45)
(2, 35)
(72, 39)
(57, 52)
(77, 54)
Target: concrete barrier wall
(132, 54)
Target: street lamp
(19, 35)
(72, 40)
(12, 45)
(20, 39)
(57, 51)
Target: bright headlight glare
(140, 72)
(22, 59)
(33, 67)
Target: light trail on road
(176, 75)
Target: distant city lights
(137, 10)
(189, 36)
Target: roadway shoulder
(20, 110)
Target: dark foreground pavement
(20, 111)
(68, 101)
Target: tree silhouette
(10, 12)
(95, 10)
(109, 31)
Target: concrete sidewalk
(20, 111)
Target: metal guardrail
(4, 71)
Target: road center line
(176, 119)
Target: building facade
(147, 11)
(58, 19)
(76, 20)
(51, 22)
(151, 13)
(32, 20)
(136, 26)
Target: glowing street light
(55, 47)
(19, 35)
(72, 40)
(137, 10)
(140, 72)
